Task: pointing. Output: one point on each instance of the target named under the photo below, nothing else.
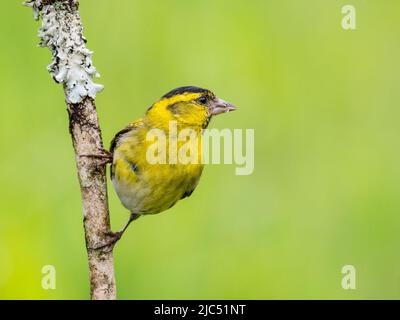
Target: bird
(150, 188)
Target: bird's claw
(109, 245)
(103, 156)
(114, 237)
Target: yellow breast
(149, 188)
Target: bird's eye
(203, 100)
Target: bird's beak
(219, 106)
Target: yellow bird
(145, 187)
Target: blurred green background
(324, 103)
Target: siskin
(150, 188)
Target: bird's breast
(151, 188)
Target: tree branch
(72, 66)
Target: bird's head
(189, 106)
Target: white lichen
(62, 33)
(35, 5)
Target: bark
(86, 137)
(62, 33)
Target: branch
(72, 66)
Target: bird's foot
(108, 246)
(103, 156)
(114, 237)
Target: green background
(324, 103)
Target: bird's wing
(118, 136)
(115, 142)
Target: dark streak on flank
(134, 167)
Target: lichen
(36, 6)
(62, 33)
